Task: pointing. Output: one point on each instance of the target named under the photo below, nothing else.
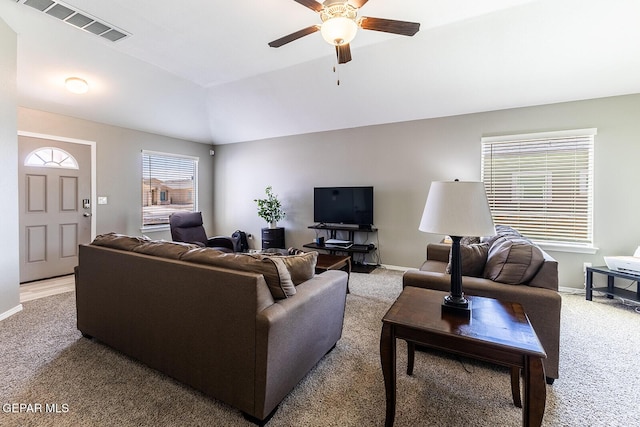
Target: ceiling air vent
(77, 18)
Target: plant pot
(273, 224)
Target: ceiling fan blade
(311, 4)
(358, 3)
(389, 26)
(294, 36)
(344, 53)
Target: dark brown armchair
(187, 227)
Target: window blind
(542, 186)
(169, 184)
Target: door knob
(86, 214)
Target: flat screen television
(343, 205)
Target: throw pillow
(119, 241)
(271, 267)
(468, 240)
(503, 231)
(473, 258)
(513, 261)
(301, 266)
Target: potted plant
(270, 208)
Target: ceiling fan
(340, 24)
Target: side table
(497, 332)
(273, 238)
(610, 290)
(334, 262)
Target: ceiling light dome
(339, 31)
(339, 25)
(76, 85)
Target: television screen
(343, 205)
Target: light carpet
(44, 360)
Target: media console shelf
(351, 250)
(610, 290)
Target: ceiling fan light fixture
(339, 25)
(338, 31)
(76, 85)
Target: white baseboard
(570, 290)
(395, 267)
(11, 312)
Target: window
(169, 184)
(51, 157)
(542, 185)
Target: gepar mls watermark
(35, 408)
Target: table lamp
(457, 209)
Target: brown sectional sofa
(538, 294)
(215, 328)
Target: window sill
(154, 228)
(565, 247)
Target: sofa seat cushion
(119, 241)
(473, 258)
(272, 268)
(512, 260)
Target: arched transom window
(51, 157)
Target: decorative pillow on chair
(512, 260)
(473, 258)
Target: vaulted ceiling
(202, 70)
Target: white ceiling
(201, 70)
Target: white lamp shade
(339, 30)
(457, 208)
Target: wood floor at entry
(46, 288)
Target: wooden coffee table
(497, 332)
(334, 262)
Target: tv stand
(351, 250)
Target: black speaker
(320, 241)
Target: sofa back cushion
(119, 241)
(272, 268)
(164, 249)
(513, 261)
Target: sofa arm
(547, 276)
(438, 252)
(293, 334)
(426, 279)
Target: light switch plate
(102, 200)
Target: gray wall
(118, 166)
(400, 161)
(9, 265)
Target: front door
(55, 206)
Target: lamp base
(458, 306)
